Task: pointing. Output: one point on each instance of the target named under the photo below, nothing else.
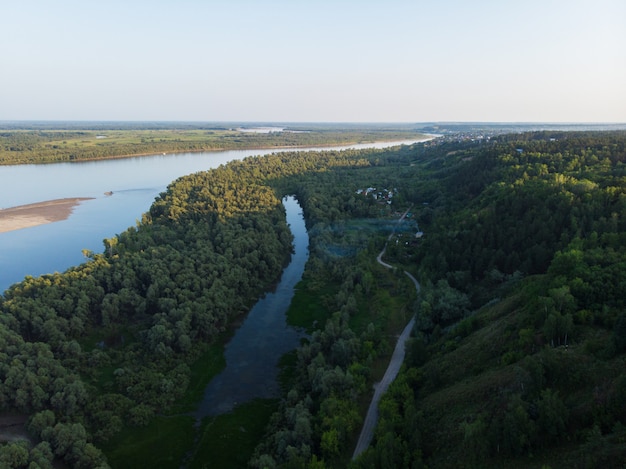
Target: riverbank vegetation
(518, 355)
(62, 142)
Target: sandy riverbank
(40, 213)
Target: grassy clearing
(205, 368)
(309, 306)
(228, 441)
(388, 306)
(163, 444)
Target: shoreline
(39, 213)
(424, 138)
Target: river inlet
(253, 353)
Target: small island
(40, 213)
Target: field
(48, 143)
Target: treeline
(108, 344)
(521, 338)
(49, 145)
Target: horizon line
(448, 122)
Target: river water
(253, 353)
(135, 182)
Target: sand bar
(40, 213)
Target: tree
(553, 416)
(558, 328)
(42, 455)
(450, 304)
(40, 421)
(14, 454)
(563, 299)
(330, 444)
(475, 441)
(619, 333)
(518, 429)
(66, 439)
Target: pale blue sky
(323, 60)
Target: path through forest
(367, 431)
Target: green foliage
(162, 443)
(14, 455)
(521, 317)
(106, 344)
(553, 416)
(619, 334)
(498, 208)
(536, 367)
(228, 441)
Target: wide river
(134, 182)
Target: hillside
(520, 349)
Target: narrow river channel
(253, 352)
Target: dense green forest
(517, 360)
(519, 354)
(52, 143)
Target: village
(410, 233)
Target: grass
(228, 441)
(388, 307)
(309, 306)
(203, 370)
(287, 366)
(165, 441)
(30, 145)
(163, 444)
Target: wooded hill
(518, 358)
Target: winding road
(367, 432)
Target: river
(252, 354)
(134, 183)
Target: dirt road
(367, 431)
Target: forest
(517, 358)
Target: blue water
(135, 183)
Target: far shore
(424, 138)
(40, 213)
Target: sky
(314, 61)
